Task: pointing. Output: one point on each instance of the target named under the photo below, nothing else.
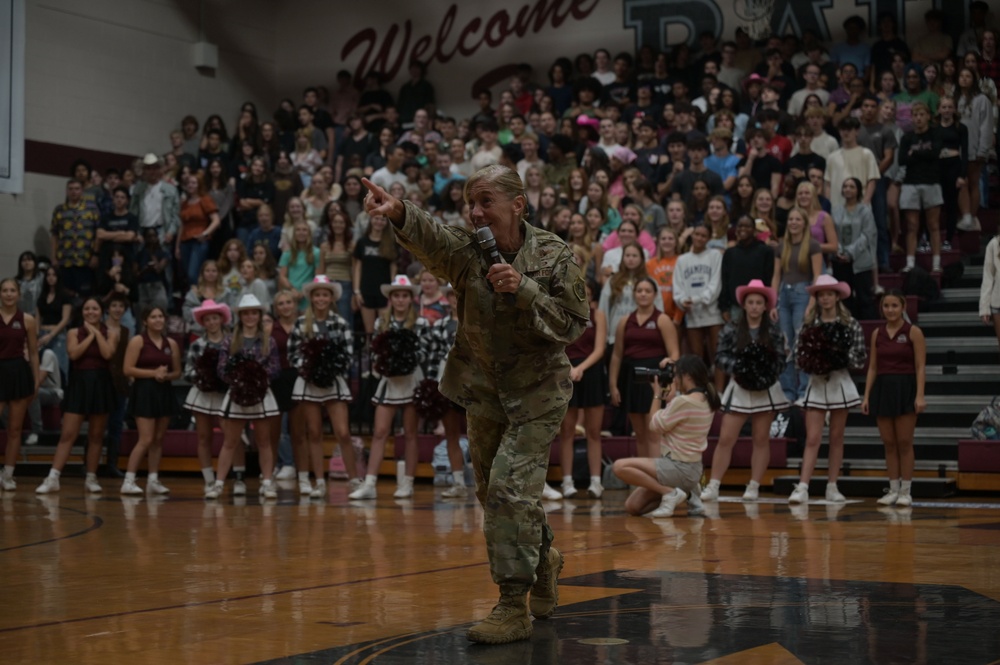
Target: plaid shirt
(336, 329)
(270, 360)
(195, 351)
(726, 353)
(437, 343)
(422, 331)
(858, 354)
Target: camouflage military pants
(510, 464)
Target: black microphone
(488, 244)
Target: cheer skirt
(396, 390)
(834, 391)
(151, 399)
(893, 395)
(18, 382)
(90, 392)
(266, 408)
(307, 392)
(592, 388)
(207, 403)
(737, 399)
(282, 388)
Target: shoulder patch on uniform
(580, 289)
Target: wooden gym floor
(124, 580)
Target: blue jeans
(243, 235)
(58, 346)
(193, 254)
(285, 457)
(792, 301)
(880, 209)
(344, 304)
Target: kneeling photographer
(681, 414)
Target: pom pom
(323, 360)
(247, 378)
(396, 352)
(206, 372)
(430, 403)
(823, 348)
(757, 367)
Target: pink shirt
(684, 427)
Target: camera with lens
(665, 375)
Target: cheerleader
(752, 350)
(395, 391)
(204, 400)
(20, 377)
(322, 322)
(249, 341)
(439, 340)
(90, 395)
(831, 390)
(894, 393)
(645, 338)
(590, 388)
(285, 431)
(152, 360)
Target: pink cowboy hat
(829, 283)
(757, 286)
(211, 307)
(323, 282)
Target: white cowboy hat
(401, 283)
(151, 159)
(323, 282)
(249, 301)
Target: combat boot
(545, 592)
(508, 622)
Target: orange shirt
(196, 217)
(662, 272)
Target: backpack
(986, 426)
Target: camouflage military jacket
(509, 359)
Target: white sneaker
(355, 483)
(31, 439)
(404, 490)
(904, 500)
(131, 487)
(92, 486)
(752, 491)
(267, 490)
(568, 488)
(833, 494)
(550, 494)
(595, 490)
(156, 487)
(668, 503)
(889, 499)
(239, 488)
(695, 507)
(305, 488)
(214, 490)
(48, 486)
(711, 492)
(968, 223)
(319, 491)
(285, 473)
(366, 491)
(455, 492)
(800, 494)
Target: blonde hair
(814, 205)
(386, 317)
(665, 229)
(308, 249)
(200, 288)
(812, 315)
(786, 245)
(506, 181)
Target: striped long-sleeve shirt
(683, 427)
